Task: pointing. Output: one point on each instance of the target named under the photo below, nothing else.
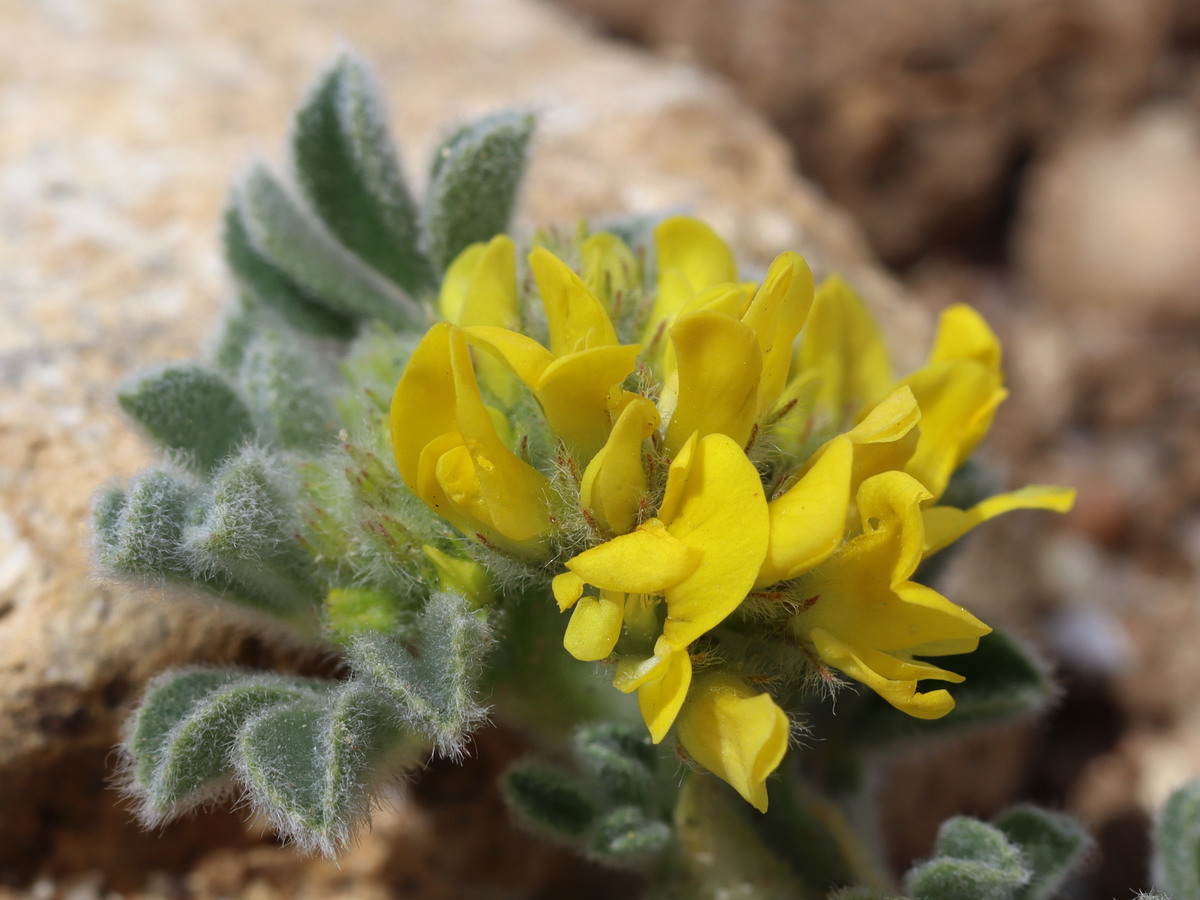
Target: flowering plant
(608, 457)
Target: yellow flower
(730, 354)
(450, 454)
(610, 270)
(690, 258)
(958, 390)
(480, 289)
(810, 519)
(614, 483)
(480, 286)
(700, 553)
(861, 614)
(737, 733)
(843, 353)
(573, 379)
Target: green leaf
(435, 691)
(619, 758)
(167, 701)
(349, 171)
(474, 182)
(1004, 681)
(1177, 844)
(625, 836)
(1051, 846)
(268, 287)
(287, 391)
(247, 535)
(549, 800)
(971, 860)
(190, 409)
(185, 729)
(311, 766)
(143, 536)
(291, 238)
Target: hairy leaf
(191, 409)
(267, 286)
(474, 182)
(300, 246)
(349, 171)
(1177, 844)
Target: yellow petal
(457, 282)
(958, 400)
(887, 436)
(567, 587)
(574, 393)
(777, 314)
(423, 403)
(609, 268)
(677, 478)
(862, 665)
(722, 512)
(852, 599)
(808, 522)
(737, 733)
(525, 356)
(944, 524)
(513, 493)
(576, 319)
(595, 626)
(719, 365)
(890, 502)
(842, 342)
(646, 561)
(631, 673)
(480, 287)
(614, 482)
(430, 490)
(660, 700)
(964, 334)
(690, 258)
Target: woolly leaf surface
(189, 408)
(188, 758)
(143, 537)
(474, 184)
(295, 242)
(1051, 846)
(267, 286)
(626, 836)
(311, 766)
(549, 800)
(971, 859)
(1177, 844)
(349, 171)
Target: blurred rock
(918, 116)
(125, 122)
(1110, 219)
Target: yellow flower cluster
(749, 445)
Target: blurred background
(1039, 159)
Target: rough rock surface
(125, 121)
